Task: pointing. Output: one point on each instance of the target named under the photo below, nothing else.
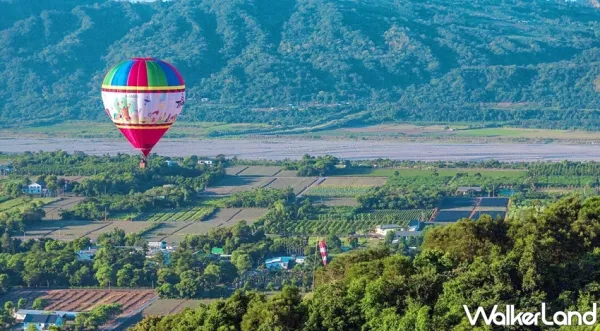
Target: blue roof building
(42, 321)
(280, 263)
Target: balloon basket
(143, 164)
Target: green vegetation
(285, 65)
(95, 318)
(337, 191)
(195, 213)
(551, 257)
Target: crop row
(337, 191)
(383, 216)
(327, 227)
(178, 214)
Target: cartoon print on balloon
(125, 112)
(154, 116)
(181, 101)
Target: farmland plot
(191, 228)
(287, 173)
(164, 230)
(337, 191)
(224, 214)
(334, 201)
(164, 307)
(298, 184)
(354, 181)
(53, 209)
(262, 171)
(70, 230)
(225, 217)
(250, 215)
(234, 184)
(233, 171)
(80, 300)
(127, 226)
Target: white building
(157, 244)
(383, 229)
(207, 162)
(87, 254)
(34, 188)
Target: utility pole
(315, 264)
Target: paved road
(282, 148)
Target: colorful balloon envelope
(143, 97)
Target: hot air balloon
(143, 97)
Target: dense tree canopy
(303, 62)
(552, 258)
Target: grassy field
(355, 181)
(106, 129)
(436, 131)
(164, 307)
(416, 172)
(18, 203)
(336, 191)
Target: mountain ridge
(530, 63)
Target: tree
(242, 261)
(190, 285)
(22, 303)
(96, 317)
(39, 304)
(283, 311)
(4, 283)
(389, 237)
(334, 244)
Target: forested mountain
(299, 62)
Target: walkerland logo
(509, 317)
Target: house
(300, 259)
(217, 251)
(157, 244)
(165, 253)
(5, 169)
(467, 190)
(383, 230)
(87, 254)
(42, 321)
(207, 162)
(280, 263)
(171, 163)
(20, 314)
(34, 188)
(415, 225)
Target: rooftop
(469, 188)
(41, 318)
(280, 259)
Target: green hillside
(309, 62)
